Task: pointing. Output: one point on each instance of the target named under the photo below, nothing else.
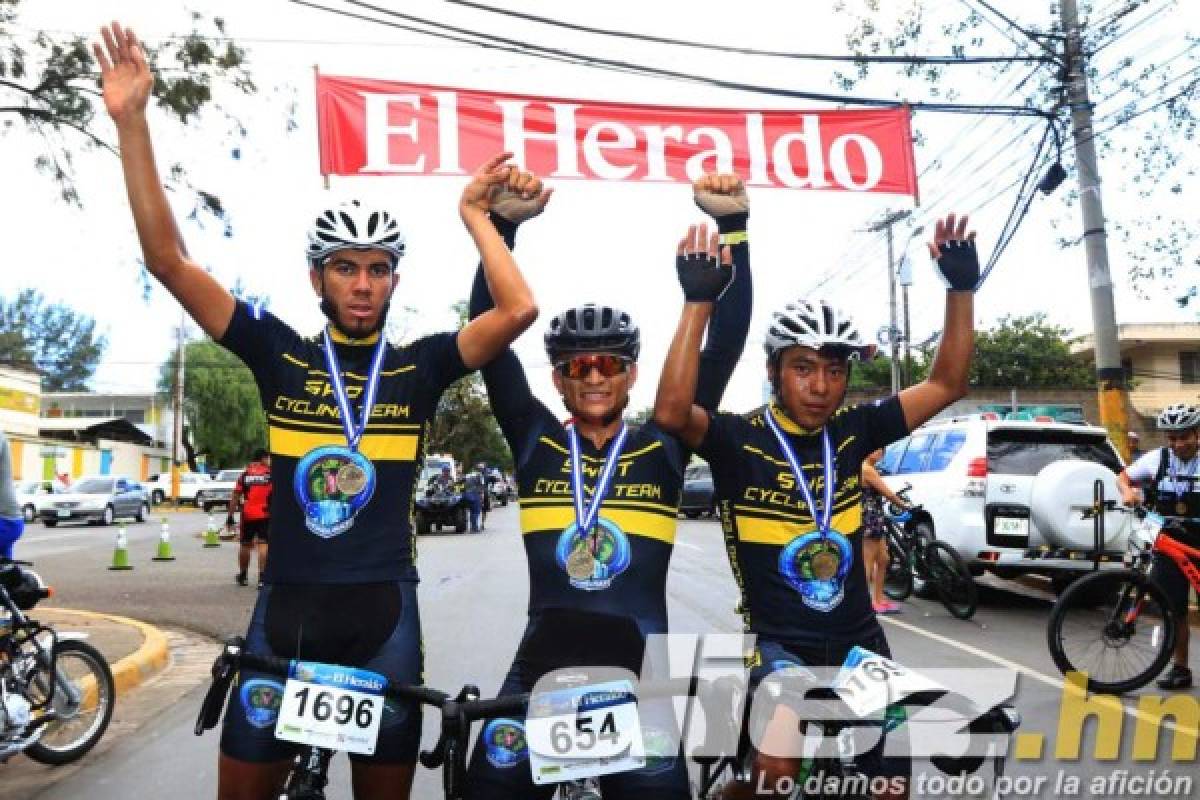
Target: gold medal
(581, 563)
(825, 564)
(351, 479)
(1181, 508)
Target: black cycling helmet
(259, 454)
(591, 328)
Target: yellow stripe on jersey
(538, 502)
(761, 530)
(288, 422)
(377, 447)
(634, 523)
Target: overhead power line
(483, 39)
(748, 51)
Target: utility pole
(1110, 378)
(177, 412)
(886, 224)
(905, 276)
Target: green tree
(221, 403)
(1141, 71)
(1028, 353)
(50, 83)
(51, 337)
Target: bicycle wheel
(83, 711)
(1116, 626)
(898, 581)
(951, 579)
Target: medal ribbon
(823, 515)
(585, 515)
(354, 428)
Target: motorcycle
(441, 506)
(56, 690)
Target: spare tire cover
(1061, 492)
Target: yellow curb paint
(143, 663)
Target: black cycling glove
(702, 277)
(958, 263)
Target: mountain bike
(913, 556)
(56, 691)
(835, 774)
(1117, 625)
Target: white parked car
(1009, 494)
(192, 487)
(32, 496)
(220, 489)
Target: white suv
(1008, 494)
(192, 486)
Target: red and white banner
(372, 127)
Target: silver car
(98, 501)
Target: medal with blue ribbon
(333, 482)
(582, 559)
(825, 562)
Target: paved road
(473, 597)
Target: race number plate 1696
(330, 706)
(584, 732)
(869, 683)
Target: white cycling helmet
(1179, 417)
(355, 227)
(815, 324)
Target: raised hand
(520, 198)
(953, 248)
(720, 195)
(703, 277)
(124, 73)
(478, 194)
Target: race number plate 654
(329, 706)
(584, 732)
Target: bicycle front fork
(308, 777)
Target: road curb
(140, 665)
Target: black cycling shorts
(374, 626)
(1168, 575)
(775, 657)
(255, 530)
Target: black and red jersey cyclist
(596, 585)
(787, 482)
(252, 494)
(347, 414)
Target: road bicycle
(914, 556)
(1116, 625)
(56, 690)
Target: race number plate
(1012, 526)
(1147, 530)
(330, 706)
(584, 732)
(869, 683)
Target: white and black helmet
(1179, 417)
(353, 226)
(815, 324)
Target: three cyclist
(787, 480)
(347, 414)
(599, 498)
(1171, 476)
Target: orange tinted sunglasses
(578, 367)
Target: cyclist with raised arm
(347, 413)
(1171, 476)
(787, 481)
(599, 497)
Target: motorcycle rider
(1171, 476)
(340, 585)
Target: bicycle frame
(1185, 557)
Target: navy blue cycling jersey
(333, 523)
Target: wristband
(733, 223)
(736, 237)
